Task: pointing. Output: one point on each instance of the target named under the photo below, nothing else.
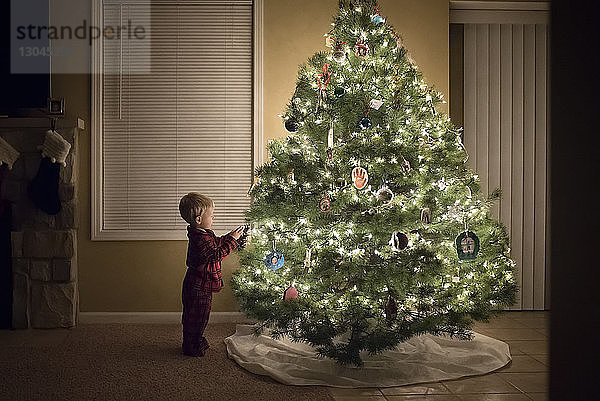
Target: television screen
(24, 58)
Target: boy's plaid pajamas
(203, 277)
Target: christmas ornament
(426, 215)
(455, 279)
(324, 78)
(243, 240)
(399, 241)
(291, 176)
(385, 195)
(398, 40)
(330, 143)
(290, 293)
(340, 183)
(321, 98)
(339, 92)
(375, 104)
(329, 41)
(339, 54)
(467, 245)
(405, 165)
(325, 203)
(291, 125)
(377, 19)
(253, 184)
(43, 189)
(391, 309)
(361, 48)
(297, 101)
(274, 260)
(360, 177)
(364, 123)
(307, 258)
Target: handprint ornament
(360, 177)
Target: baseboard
(156, 317)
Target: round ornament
(385, 195)
(297, 101)
(360, 177)
(274, 260)
(339, 92)
(291, 124)
(426, 215)
(339, 54)
(364, 123)
(399, 241)
(467, 245)
(290, 293)
(377, 19)
(325, 203)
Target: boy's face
(205, 220)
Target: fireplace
(43, 262)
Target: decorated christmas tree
(367, 227)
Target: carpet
(130, 362)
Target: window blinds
(185, 125)
(506, 126)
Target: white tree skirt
(421, 359)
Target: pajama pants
(196, 311)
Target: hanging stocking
(8, 155)
(43, 189)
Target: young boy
(203, 277)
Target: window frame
(96, 173)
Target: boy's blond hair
(192, 205)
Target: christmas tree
(367, 226)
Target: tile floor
(524, 378)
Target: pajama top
(205, 252)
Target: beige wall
(147, 275)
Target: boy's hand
(237, 233)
